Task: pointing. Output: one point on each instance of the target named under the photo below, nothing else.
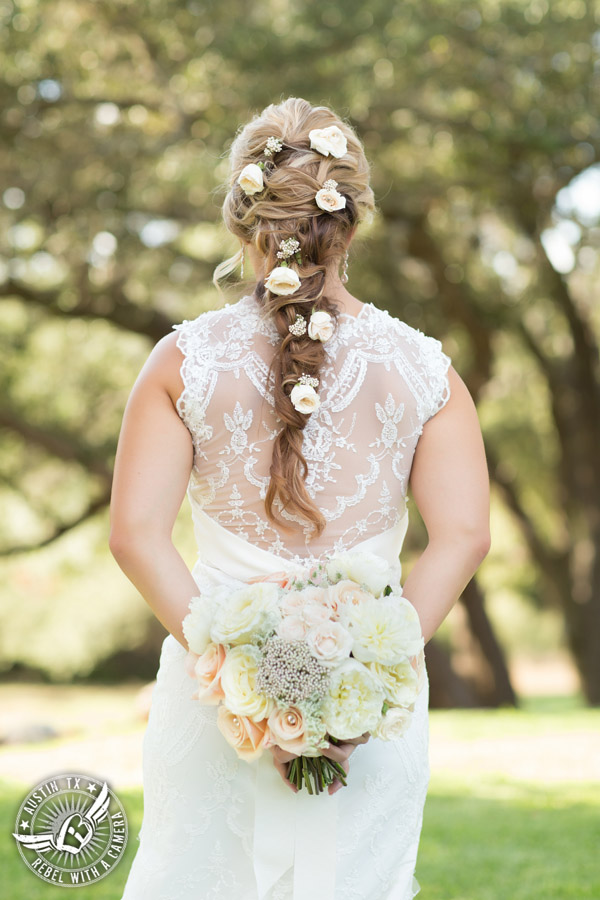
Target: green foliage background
(115, 119)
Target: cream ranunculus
(248, 612)
(283, 280)
(393, 725)
(400, 682)
(330, 200)
(197, 624)
(329, 642)
(320, 326)
(353, 702)
(250, 179)
(385, 630)
(367, 569)
(286, 729)
(328, 140)
(238, 680)
(246, 737)
(304, 398)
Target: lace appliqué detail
(381, 382)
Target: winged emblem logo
(72, 832)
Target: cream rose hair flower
(283, 281)
(329, 140)
(328, 198)
(250, 179)
(304, 397)
(320, 326)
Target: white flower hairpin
(328, 198)
(328, 141)
(283, 280)
(320, 326)
(304, 397)
(250, 178)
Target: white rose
(400, 682)
(320, 326)
(385, 630)
(238, 682)
(330, 200)
(329, 642)
(197, 624)
(353, 702)
(283, 280)
(292, 628)
(246, 613)
(328, 140)
(367, 569)
(304, 398)
(393, 725)
(251, 179)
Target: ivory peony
(354, 701)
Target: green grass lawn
(489, 833)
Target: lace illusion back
(381, 382)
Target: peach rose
(292, 628)
(346, 594)
(285, 728)
(245, 736)
(280, 578)
(316, 613)
(292, 603)
(329, 642)
(207, 671)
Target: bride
(295, 419)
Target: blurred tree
(478, 118)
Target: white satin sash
(290, 829)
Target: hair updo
(286, 208)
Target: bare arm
(153, 464)
(450, 485)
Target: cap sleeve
(428, 371)
(435, 365)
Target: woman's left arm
(152, 469)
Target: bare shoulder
(163, 367)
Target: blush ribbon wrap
(290, 829)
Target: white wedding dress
(216, 827)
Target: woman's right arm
(152, 469)
(450, 485)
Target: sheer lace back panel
(381, 383)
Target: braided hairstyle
(284, 209)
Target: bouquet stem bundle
(315, 772)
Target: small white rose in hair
(320, 326)
(328, 140)
(328, 198)
(304, 396)
(250, 179)
(283, 280)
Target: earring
(242, 267)
(344, 277)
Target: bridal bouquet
(301, 661)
